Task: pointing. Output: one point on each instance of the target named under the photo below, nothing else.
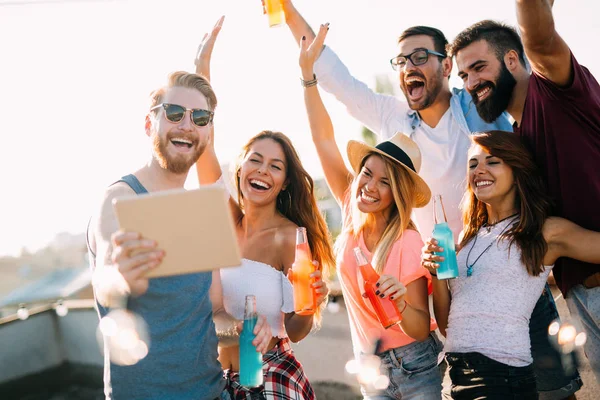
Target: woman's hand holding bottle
(429, 260)
(319, 285)
(390, 286)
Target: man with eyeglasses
(179, 310)
(556, 109)
(438, 119)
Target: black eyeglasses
(175, 113)
(417, 57)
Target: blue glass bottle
(443, 234)
(251, 362)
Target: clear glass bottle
(305, 299)
(443, 234)
(251, 361)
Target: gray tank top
(490, 309)
(182, 359)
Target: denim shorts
(552, 380)
(475, 376)
(413, 372)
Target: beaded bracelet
(309, 83)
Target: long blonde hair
(355, 221)
(297, 203)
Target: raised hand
(390, 286)
(429, 260)
(204, 52)
(134, 256)
(309, 52)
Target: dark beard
(177, 165)
(497, 102)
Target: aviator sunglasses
(175, 113)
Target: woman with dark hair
(275, 196)
(507, 249)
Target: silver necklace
(470, 266)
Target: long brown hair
(403, 190)
(531, 199)
(297, 202)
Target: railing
(60, 306)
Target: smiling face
(373, 187)
(262, 172)
(490, 178)
(486, 78)
(178, 145)
(420, 84)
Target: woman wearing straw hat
(377, 199)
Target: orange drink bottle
(386, 310)
(305, 299)
(274, 11)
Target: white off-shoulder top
(274, 292)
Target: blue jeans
(553, 382)
(584, 305)
(475, 376)
(412, 370)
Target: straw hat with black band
(401, 149)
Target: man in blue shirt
(179, 310)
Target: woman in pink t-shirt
(377, 199)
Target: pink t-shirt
(404, 262)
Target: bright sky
(75, 76)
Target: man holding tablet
(179, 310)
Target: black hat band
(396, 152)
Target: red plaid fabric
(284, 378)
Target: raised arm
(337, 175)
(204, 52)
(297, 24)
(208, 167)
(372, 109)
(547, 52)
(567, 239)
